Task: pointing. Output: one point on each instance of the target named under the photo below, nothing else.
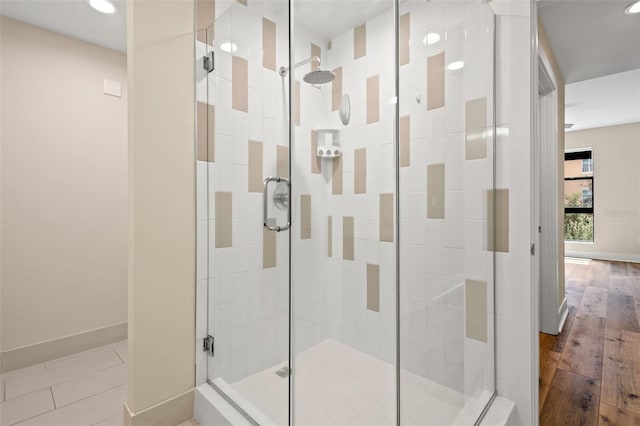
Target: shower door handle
(280, 199)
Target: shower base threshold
(337, 385)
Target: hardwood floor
(590, 373)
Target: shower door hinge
(209, 62)
(207, 345)
(533, 249)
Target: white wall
(616, 179)
(516, 297)
(64, 187)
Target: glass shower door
(248, 264)
(447, 198)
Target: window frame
(582, 154)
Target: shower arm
(306, 61)
(284, 70)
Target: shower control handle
(265, 221)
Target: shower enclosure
(345, 195)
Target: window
(578, 196)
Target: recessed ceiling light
(104, 6)
(228, 47)
(431, 38)
(633, 8)
(456, 65)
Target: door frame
(553, 306)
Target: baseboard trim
(563, 313)
(619, 257)
(46, 351)
(171, 412)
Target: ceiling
(597, 48)
(321, 17)
(603, 101)
(595, 44)
(74, 18)
(591, 38)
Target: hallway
(590, 373)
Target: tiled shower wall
(446, 190)
(446, 193)
(343, 210)
(361, 195)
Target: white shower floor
(338, 385)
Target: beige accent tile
(386, 217)
(405, 141)
(87, 411)
(62, 370)
(240, 84)
(201, 35)
(336, 89)
(315, 160)
(373, 99)
(403, 38)
(348, 238)
(360, 171)
(206, 132)
(329, 236)
(360, 41)
(282, 161)
(74, 390)
(54, 349)
(305, 216)
(435, 191)
(26, 407)
(373, 287)
(224, 219)
(205, 17)
(435, 81)
(315, 51)
(296, 103)
(475, 124)
(336, 179)
(501, 220)
(255, 167)
(268, 44)
(475, 310)
(269, 252)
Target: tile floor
(86, 388)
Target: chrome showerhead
(315, 78)
(319, 76)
